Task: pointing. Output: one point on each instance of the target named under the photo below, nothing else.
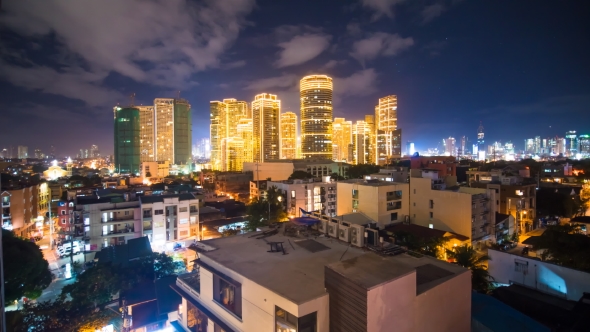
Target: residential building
(236, 183)
(39, 154)
(95, 153)
(584, 145)
(342, 140)
(44, 199)
(266, 110)
(445, 165)
(127, 140)
(310, 195)
(278, 170)
(70, 224)
(504, 226)
(387, 135)
(384, 202)
(231, 134)
(173, 130)
(245, 133)
(322, 285)
(316, 116)
(391, 174)
(23, 152)
(288, 135)
(146, 133)
(217, 132)
(154, 171)
(436, 202)
(258, 189)
(20, 209)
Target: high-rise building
(361, 141)
(146, 121)
(461, 151)
(584, 145)
(342, 140)
(450, 146)
(245, 133)
(481, 149)
(571, 143)
(410, 149)
(266, 110)
(385, 125)
(38, 154)
(94, 153)
(127, 136)
(173, 130)
(225, 119)
(23, 152)
(316, 116)
(288, 135)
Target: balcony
(394, 196)
(394, 206)
(118, 232)
(191, 282)
(5, 215)
(194, 211)
(6, 204)
(147, 216)
(119, 219)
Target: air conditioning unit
(372, 237)
(323, 226)
(344, 232)
(357, 235)
(333, 229)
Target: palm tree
(467, 257)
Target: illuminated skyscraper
(245, 133)
(288, 135)
(225, 118)
(361, 140)
(146, 135)
(23, 152)
(127, 146)
(173, 130)
(572, 143)
(450, 149)
(410, 149)
(316, 116)
(481, 150)
(342, 140)
(266, 109)
(385, 126)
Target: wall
(389, 307)
(546, 277)
(274, 171)
(451, 211)
(23, 209)
(454, 315)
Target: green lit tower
(127, 139)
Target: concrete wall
(546, 277)
(274, 171)
(451, 211)
(389, 306)
(258, 303)
(446, 307)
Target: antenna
(132, 97)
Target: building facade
(20, 209)
(127, 140)
(288, 135)
(342, 140)
(266, 110)
(146, 134)
(316, 116)
(23, 152)
(173, 130)
(386, 134)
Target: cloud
(431, 12)
(333, 63)
(435, 47)
(301, 49)
(381, 7)
(161, 42)
(353, 29)
(379, 44)
(361, 83)
(284, 81)
(235, 64)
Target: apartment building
(320, 285)
(20, 209)
(383, 202)
(437, 202)
(113, 221)
(310, 195)
(391, 174)
(279, 170)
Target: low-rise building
(391, 174)
(383, 202)
(310, 195)
(319, 285)
(20, 209)
(278, 170)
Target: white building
(319, 285)
(309, 195)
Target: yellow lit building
(232, 154)
(173, 130)
(246, 134)
(146, 133)
(43, 200)
(388, 139)
(361, 142)
(288, 135)
(316, 116)
(266, 109)
(342, 140)
(226, 118)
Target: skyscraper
(450, 146)
(23, 152)
(127, 146)
(225, 119)
(288, 135)
(481, 150)
(245, 133)
(94, 153)
(316, 116)
(146, 135)
(572, 143)
(217, 132)
(266, 110)
(385, 125)
(361, 140)
(342, 140)
(173, 134)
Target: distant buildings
(266, 110)
(288, 135)
(342, 146)
(173, 130)
(23, 152)
(387, 134)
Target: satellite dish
(416, 154)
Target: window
(195, 319)
(157, 212)
(431, 226)
(183, 221)
(431, 215)
(183, 209)
(414, 191)
(355, 193)
(292, 193)
(285, 321)
(218, 328)
(394, 195)
(194, 209)
(63, 220)
(394, 205)
(228, 295)
(63, 212)
(355, 204)
(394, 216)
(414, 203)
(147, 213)
(126, 213)
(431, 204)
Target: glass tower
(127, 140)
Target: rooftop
(299, 275)
(160, 198)
(372, 183)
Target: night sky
(520, 67)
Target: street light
(203, 229)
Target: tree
(433, 247)
(584, 198)
(261, 212)
(336, 177)
(300, 175)
(20, 279)
(467, 257)
(565, 245)
(95, 286)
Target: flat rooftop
(299, 275)
(372, 183)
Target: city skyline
(489, 67)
